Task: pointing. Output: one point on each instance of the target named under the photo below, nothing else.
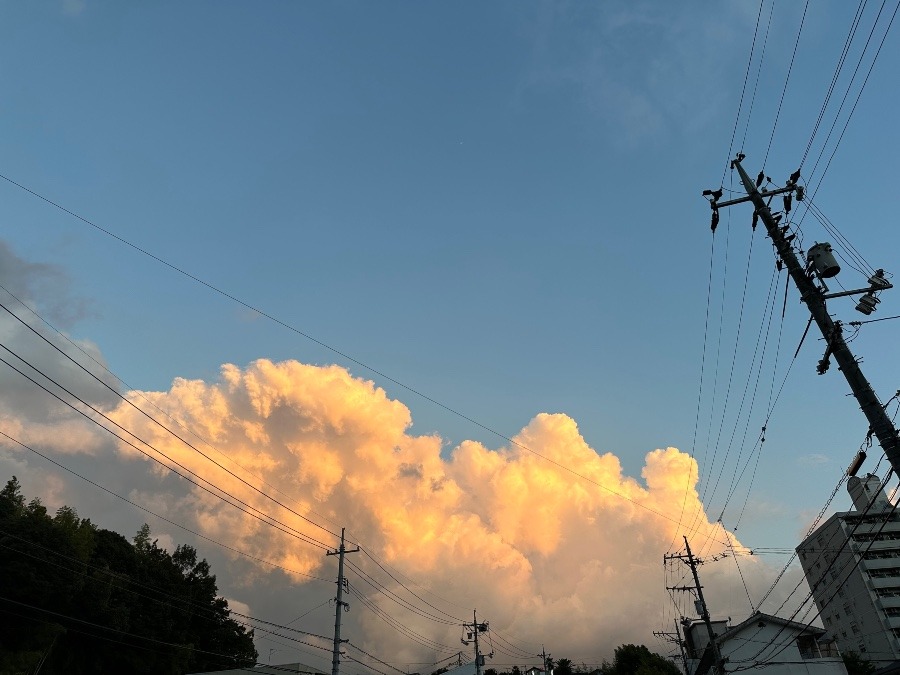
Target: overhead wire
(743, 91)
(132, 389)
(815, 189)
(851, 34)
(734, 477)
(765, 324)
(205, 612)
(715, 444)
(375, 658)
(393, 597)
(399, 626)
(83, 622)
(227, 547)
(830, 564)
(687, 486)
(786, 80)
(216, 289)
(369, 555)
(392, 576)
(759, 63)
(162, 426)
(217, 492)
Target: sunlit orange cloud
(510, 530)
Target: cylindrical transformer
(823, 260)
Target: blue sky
(496, 204)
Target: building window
(882, 554)
(874, 536)
(854, 627)
(885, 572)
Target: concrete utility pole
(476, 629)
(676, 638)
(815, 298)
(339, 605)
(692, 562)
(681, 647)
(545, 660)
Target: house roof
(756, 617)
(464, 669)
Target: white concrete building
(852, 565)
(764, 644)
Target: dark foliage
(77, 599)
(856, 664)
(638, 660)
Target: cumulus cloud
(542, 533)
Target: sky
(441, 274)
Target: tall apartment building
(852, 565)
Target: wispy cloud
(813, 459)
(642, 68)
(73, 7)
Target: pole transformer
(815, 299)
(339, 605)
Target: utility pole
(815, 297)
(692, 562)
(676, 638)
(339, 605)
(545, 660)
(681, 647)
(476, 628)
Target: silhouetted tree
(638, 660)
(85, 600)
(856, 664)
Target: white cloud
(498, 528)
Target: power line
(161, 517)
(330, 348)
(126, 400)
(134, 390)
(743, 91)
(786, 80)
(219, 493)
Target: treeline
(628, 660)
(75, 599)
